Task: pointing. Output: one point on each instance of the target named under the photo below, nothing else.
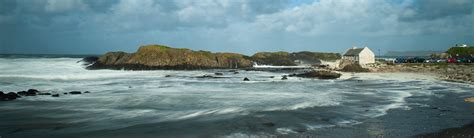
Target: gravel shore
(450, 72)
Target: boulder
(218, 74)
(87, 92)
(167, 76)
(246, 79)
(12, 96)
(269, 124)
(2, 96)
(354, 68)
(469, 100)
(284, 77)
(320, 74)
(75, 92)
(89, 60)
(55, 95)
(206, 76)
(32, 91)
(44, 93)
(22, 93)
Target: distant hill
(292, 59)
(461, 51)
(411, 53)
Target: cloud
(64, 5)
(331, 17)
(436, 9)
(239, 25)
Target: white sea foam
(285, 130)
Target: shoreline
(461, 73)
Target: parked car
(465, 59)
(461, 59)
(452, 60)
(431, 60)
(400, 60)
(416, 60)
(442, 60)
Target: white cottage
(360, 56)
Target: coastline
(461, 73)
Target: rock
(167, 76)
(246, 79)
(87, 92)
(22, 93)
(55, 95)
(284, 77)
(65, 93)
(3, 96)
(206, 76)
(272, 77)
(320, 75)
(354, 68)
(32, 91)
(11, 96)
(152, 57)
(89, 60)
(269, 124)
(236, 72)
(75, 92)
(469, 100)
(218, 73)
(44, 94)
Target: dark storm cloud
(96, 26)
(7, 6)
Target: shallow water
(134, 100)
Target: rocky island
(153, 57)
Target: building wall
(366, 57)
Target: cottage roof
(353, 52)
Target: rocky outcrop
(354, 68)
(292, 59)
(31, 92)
(320, 74)
(273, 58)
(469, 100)
(162, 57)
(89, 60)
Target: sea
(182, 103)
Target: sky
(242, 26)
